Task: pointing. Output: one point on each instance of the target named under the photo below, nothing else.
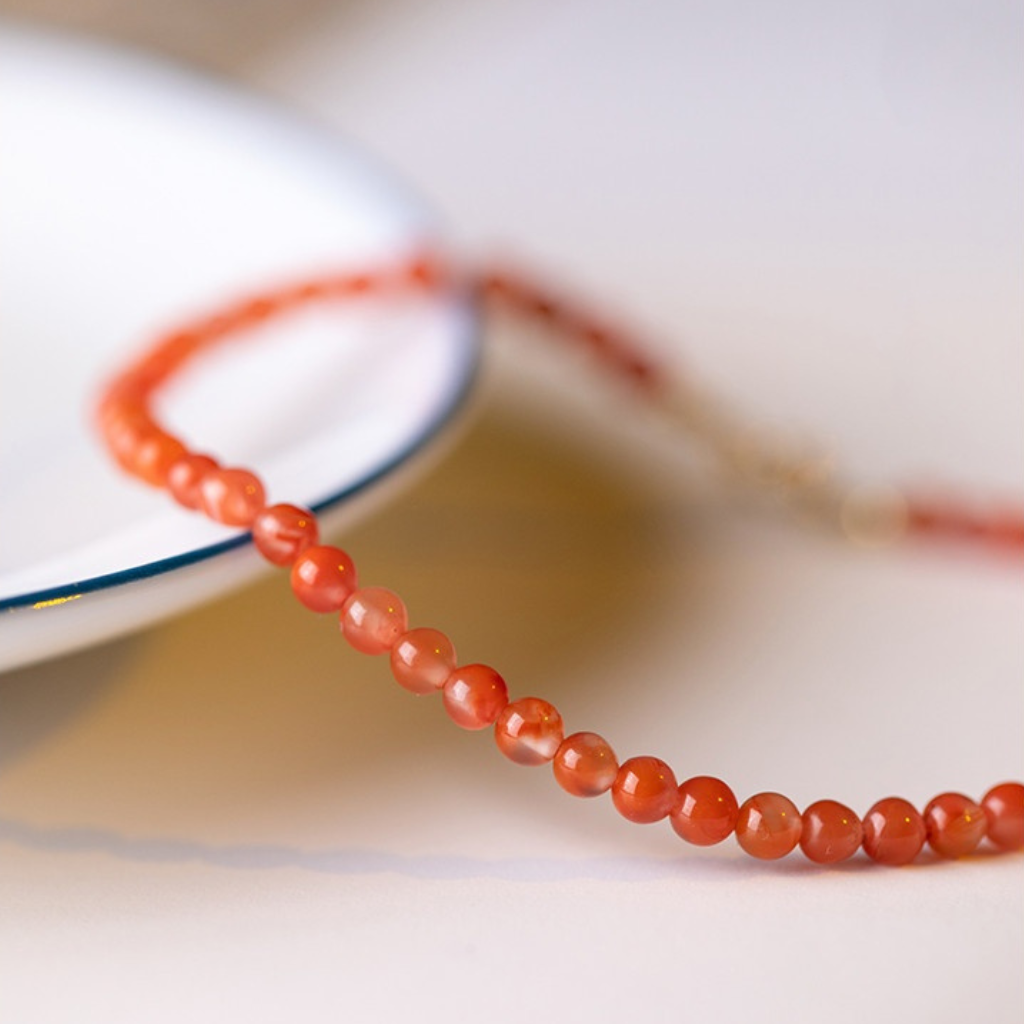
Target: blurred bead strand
(798, 474)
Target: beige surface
(232, 817)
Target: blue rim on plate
(316, 163)
(52, 597)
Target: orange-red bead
(185, 477)
(768, 826)
(231, 496)
(529, 731)
(894, 832)
(422, 660)
(1004, 812)
(373, 619)
(706, 811)
(831, 832)
(323, 578)
(645, 790)
(121, 400)
(585, 764)
(474, 696)
(955, 824)
(126, 430)
(282, 532)
(154, 457)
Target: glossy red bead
(585, 764)
(706, 811)
(955, 824)
(282, 532)
(1004, 813)
(894, 832)
(154, 457)
(831, 832)
(768, 826)
(422, 660)
(474, 696)
(231, 496)
(120, 401)
(126, 431)
(529, 731)
(373, 619)
(323, 578)
(645, 790)
(185, 477)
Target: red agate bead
(585, 764)
(154, 457)
(955, 824)
(706, 811)
(831, 832)
(126, 428)
(231, 496)
(422, 659)
(373, 619)
(323, 578)
(282, 532)
(1004, 812)
(894, 832)
(474, 696)
(185, 477)
(645, 790)
(529, 731)
(768, 826)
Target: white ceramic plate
(132, 196)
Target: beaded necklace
(529, 730)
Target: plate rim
(467, 345)
(458, 402)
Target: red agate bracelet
(702, 810)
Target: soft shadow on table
(354, 861)
(38, 701)
(245, 723)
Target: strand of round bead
(125, 425)
(768, 826)
(702, 810)
(954, 824)
(706, 811)
(422, 660)
(529, 731)
(140, 446)
(282, 532)
(999, 528)
(373, 619)
(474, 696)
(585, 764)
(645, 790)
(1004, 814)
(323, 578)
(830, 833)
(231, 496)
(155, 456)
(186, 476)
(894, 832)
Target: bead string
(529, 731)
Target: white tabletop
(817, 209)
